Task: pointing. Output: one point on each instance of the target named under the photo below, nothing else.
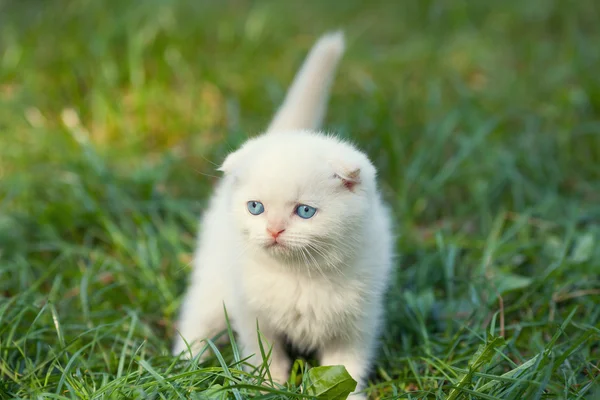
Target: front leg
(355, 355)
(279, 362)
(201, 317)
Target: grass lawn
(484, 122)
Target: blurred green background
(483, 119)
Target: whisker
(317, 266)
(207, 175)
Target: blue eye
(305, 211)
(256, 207)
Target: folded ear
(232, 161)
(350, 177)
(229, 163)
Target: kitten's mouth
(276, 246)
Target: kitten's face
(289, 201)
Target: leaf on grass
(330, 382)
(584, 247)
(505, 282)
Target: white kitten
(296, 237)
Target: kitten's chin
(277, 249)
(280, 250)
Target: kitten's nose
(275, 232)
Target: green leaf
(584, 248)
(297, 372)
(330, 382)
(505, 282)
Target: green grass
(483, 120)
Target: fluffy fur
(320, 284)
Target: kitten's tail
(306, 100)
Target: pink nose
(274, 232)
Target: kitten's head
(300, 195)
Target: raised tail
(306, 100)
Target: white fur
(321, 287)
(306, 101)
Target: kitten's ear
(350, 176)
(230, 162)
(235, 161)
